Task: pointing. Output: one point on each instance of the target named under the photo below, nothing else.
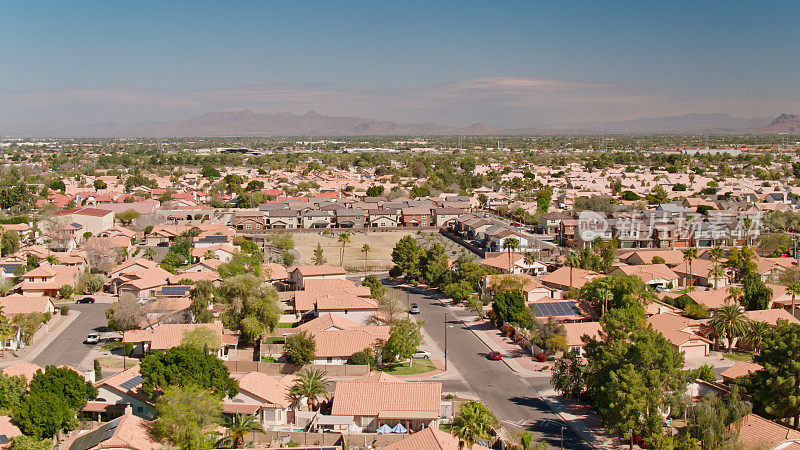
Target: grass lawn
(420, 366)
(739, 356)
(116, 363)
(284, 325)
(446, 427)
(275, 340)
(109, 346)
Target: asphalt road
(68, 348)
(513, 399)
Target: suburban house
(501, 260)
(565, 278)
(682, 332)
(389, 401)
(383, 218)
(575, 332)
(221, 252)
(430, 438)
(350, 306)
(163, 235)
(336, 346)
(336, 285)
(117, 392)
(671, 257)
(92, 220)
(261, 395)
(739, 369)
(298, 274)
(126, 431)
(658, 276)
(166, 336)
(532, 288)
(46, 280)
(142, 284)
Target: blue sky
(500, 63)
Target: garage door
(695, 351)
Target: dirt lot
(380, 254)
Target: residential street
(514, 399)
(68, 349)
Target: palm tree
(729, 321)
(571, 260)
(365, 249)
(793, 289)
(6, 331)
(473, 422)
(734, 295)
(344, 239)
(311, 384)
(149, 253)
(716, 254)
(238, 427)
(510, 244)
(756, 332)
(689, 255)
(529, 259)
(716, 272)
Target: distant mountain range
(248, 123)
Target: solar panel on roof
(555, 309)
(132, 383)
(94, 438)
(214, 238)
(175, 290)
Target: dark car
(494, 356)
(86, 300)
(414, 309)
(162, 244)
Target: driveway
(514, 400)
(68, 349)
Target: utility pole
(445, 341)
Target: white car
(92, 338)
(422, 354)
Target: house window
(248, 226)
(330, 360)
(139, 409)
(424, 216)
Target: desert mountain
(785, 123)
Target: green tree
(100, 184)
(407, 255)
(756, 293)
(202, 338)
(127, 217)
(187, 416)
(364, 357)
(567, 376)
(319, 256)
(474, 422)
(509, 307)
(43, 414)
(64, 382)
(434, 266)
(344, 239)
(510, 245)
(184, 366)
(300, 348)
(30, 443)
(125, 314)
(6, 331)
(730, 322)
(404, 338)
(9, 242)
(12, 389)
(776, 388)
(251, 308)
(793, 289)
(312, 384)
(376, 288)
(238, 427)
(201, 295)
(375, 191)
(689, 255)
(716, 421)
(210, 172)
(365, 250)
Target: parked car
(162, 244)
(86, 300)
(92, 338)
(414, 309)
(494, 356)
(424, 354)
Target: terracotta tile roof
(145, 263)
(758, 432)
(198, 252)
(649, 272)
(677, 329)
(429, 439)
(194, 276)
(740, 369)
(771, 316)
(325, 301)
(168, 335)
(712, 299)
(323, 323)
(316, 271)
(273, 391)
(529, 283)
(671, 257)
(560, 277)
(96, 212)
(402, 399)
(379, 377)
(122, 382)
(24, 368)
(8, 429)
(576, 330)
(130, 432)
(335, 285)
(167, 304)
(343, 343)
(14, 305)
(274, 271)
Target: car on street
(424, 354)
(414, 309)
(86, 300)
(92, 338)
(494, 356)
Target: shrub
(705, 373)
(128, 348)
(364, 357)
(64, 310)
(396, 272)
(299, 349)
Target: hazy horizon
(512, 65)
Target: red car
(494, 355)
